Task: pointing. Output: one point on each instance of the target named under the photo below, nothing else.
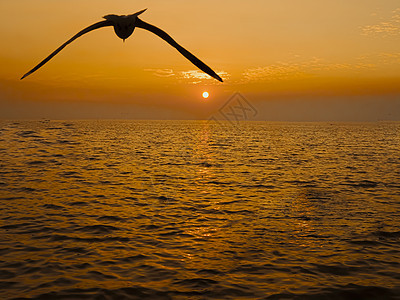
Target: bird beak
(140, 12)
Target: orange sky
(327, 56)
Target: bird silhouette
(124, 26)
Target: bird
(124, 25)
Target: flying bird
(124, 26)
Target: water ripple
(190, 210)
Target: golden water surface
(199, 209)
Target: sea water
(199, 209)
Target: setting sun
(206, 95)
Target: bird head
(124, 25)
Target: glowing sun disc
(206, 95)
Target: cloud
(197, 76)
(383, 58)
(194, 74)
(191, 76)
(278, 71)
(161, 72)
(386, 28)
(295, 69)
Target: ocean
(114, 209)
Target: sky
(308, 60)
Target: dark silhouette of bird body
(124, 27)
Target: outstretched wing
(80, 33)
(162, 34)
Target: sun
(206, 95)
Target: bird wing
(166, 37)
(80, 33)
